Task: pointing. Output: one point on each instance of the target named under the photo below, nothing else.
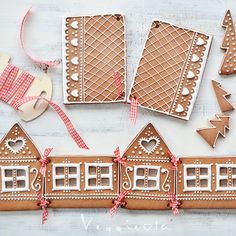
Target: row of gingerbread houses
(147, 177)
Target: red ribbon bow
(44, 204)
(118, 202)
(119, 159)
(44, 161)
(174, 204)
(174, 160)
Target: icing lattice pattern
(94, 49)
(170, 69)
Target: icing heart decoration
(185, 91)
(179, 108)
(149, 145)
(74, 24)
(75, 61)
(190, 75)
(74, 42)
(200, 42)
(75, 77)
(15, 145)
(195, 58)
(75, 93)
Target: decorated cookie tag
(90, 58)
(159, 74)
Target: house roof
(147, 144)
(17, 144)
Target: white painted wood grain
(106, 126)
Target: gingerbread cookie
(93, 56)
(207, 182)
(228, 65)
(81, 181)
(222, 97)
(20, 177)
(219, 127)
(170, 69)
(148, 176)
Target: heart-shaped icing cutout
(179, 108)
(185, 91)
(74, 24)
(200, 42)
(74, 42)
(195, 58)
(75, 93)
(75, 60)
(75, 77)
(15, 145)
(149, 145)
(190, 75)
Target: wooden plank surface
(106, 126)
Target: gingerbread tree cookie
(222, 96)
(228, 65)
(219, 127)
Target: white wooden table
(106, 126)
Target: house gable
(16, 144)
(147, 144)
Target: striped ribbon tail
(44, 161)
(174, 203)
(118, 202)
(62, 115)
(118, 83)
(133, 109)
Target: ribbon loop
(41, 63)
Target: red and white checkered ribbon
(133, 109)
(119, 159)
(10, 86)
(174, 160)
(118, 83)
(41, 63)
(44, 204)
(118, 202)
(15, 89)
(44, 161)
(62, 115)
(174, 204)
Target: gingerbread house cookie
(207, 182)
(148, 176)
(81, 181)
(20, 177)
(93, 56)
(170, 69)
